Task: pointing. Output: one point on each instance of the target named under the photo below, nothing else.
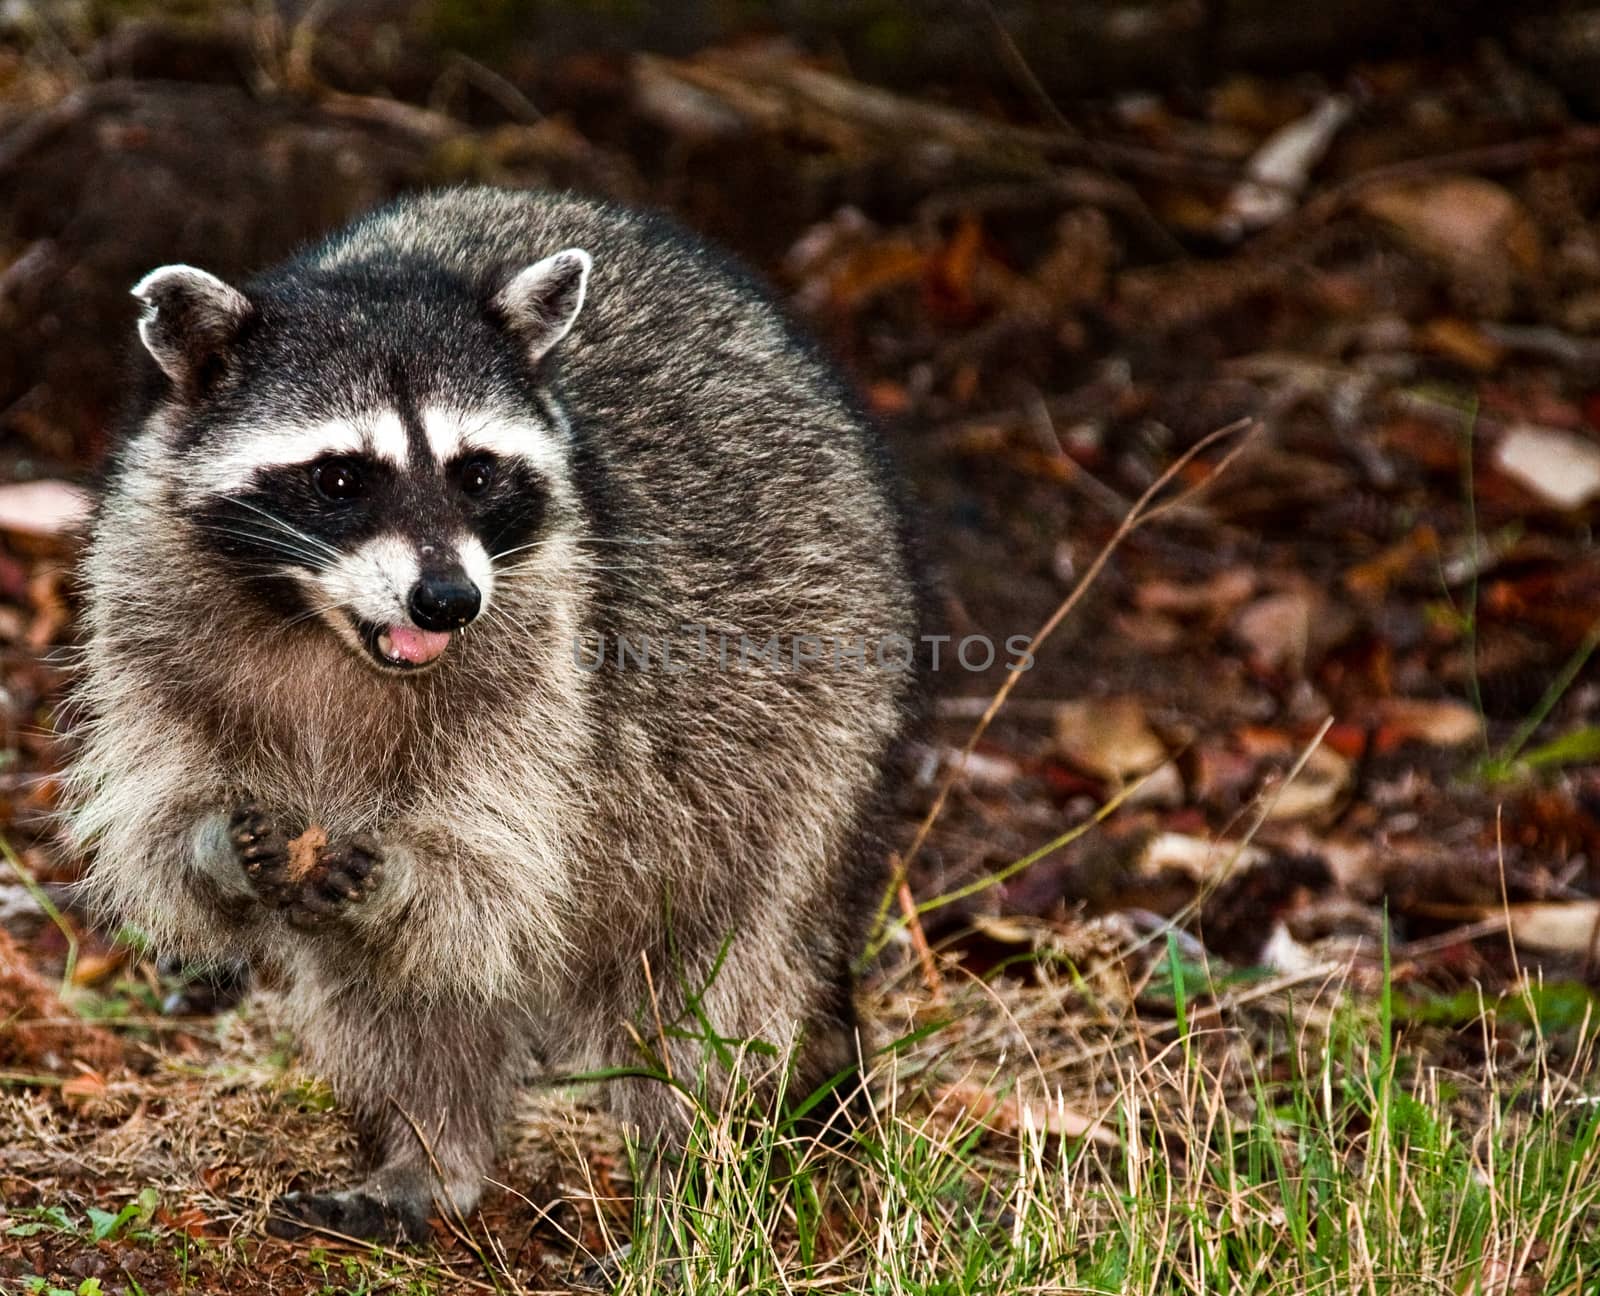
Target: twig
(406, 118)
(1539, 150)
(919, 942)
(777, 94)
(506, 95)
(1134, 204)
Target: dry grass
(1102, 1115)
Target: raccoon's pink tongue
(406, 643)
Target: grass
(1513, 760)
(1295, 1141)
(1293, 1152)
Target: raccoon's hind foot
(353, 1213)
(308, 880)
(203, 991)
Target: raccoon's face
(366, 447)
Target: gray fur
(558, 846)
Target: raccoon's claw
(354, 1213)
(343, 875)
(261, 849)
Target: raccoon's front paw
(337, 876)
(306, 878)
(262, 851)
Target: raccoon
(485, 635)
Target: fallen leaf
(1280, 168)
(1471, 227)
(92, 969)
(1008, 1116)
(1449, 215)
(1314, 789)
(84, 1088)
(1561, 468)
(1567, 927)
(979, 769)
(1283, 953)
(1277, 630)
(1222, 593)
(42, 508)
(1462, 341)
(1441, 722)
(1161, 788)
(1372, 578)
(1194, 857)
(1149, 631)
(1108, 736)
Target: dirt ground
(1385, 280)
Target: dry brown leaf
(1277, 630)
(84, 1088)
(1473, 228)
(1441, 722)
(1462, 341)
(1194, 857)
(1222, 593)
(92, 969)
(1372, 578)
(1315, 789)
(1108, 737)
(1283, 953)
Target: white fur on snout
(475, 562)
(373, 583)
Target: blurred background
(1053, 247)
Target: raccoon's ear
(191, 320)
(540, 303)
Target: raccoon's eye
(477, 475)
(337, 479)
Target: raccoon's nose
(444, 603)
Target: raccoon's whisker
(584, 540)
(286, 527)
(533, 565)
(308, 615)
(278, 544)
(498, 618)
(506, 553)
(256, 534)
